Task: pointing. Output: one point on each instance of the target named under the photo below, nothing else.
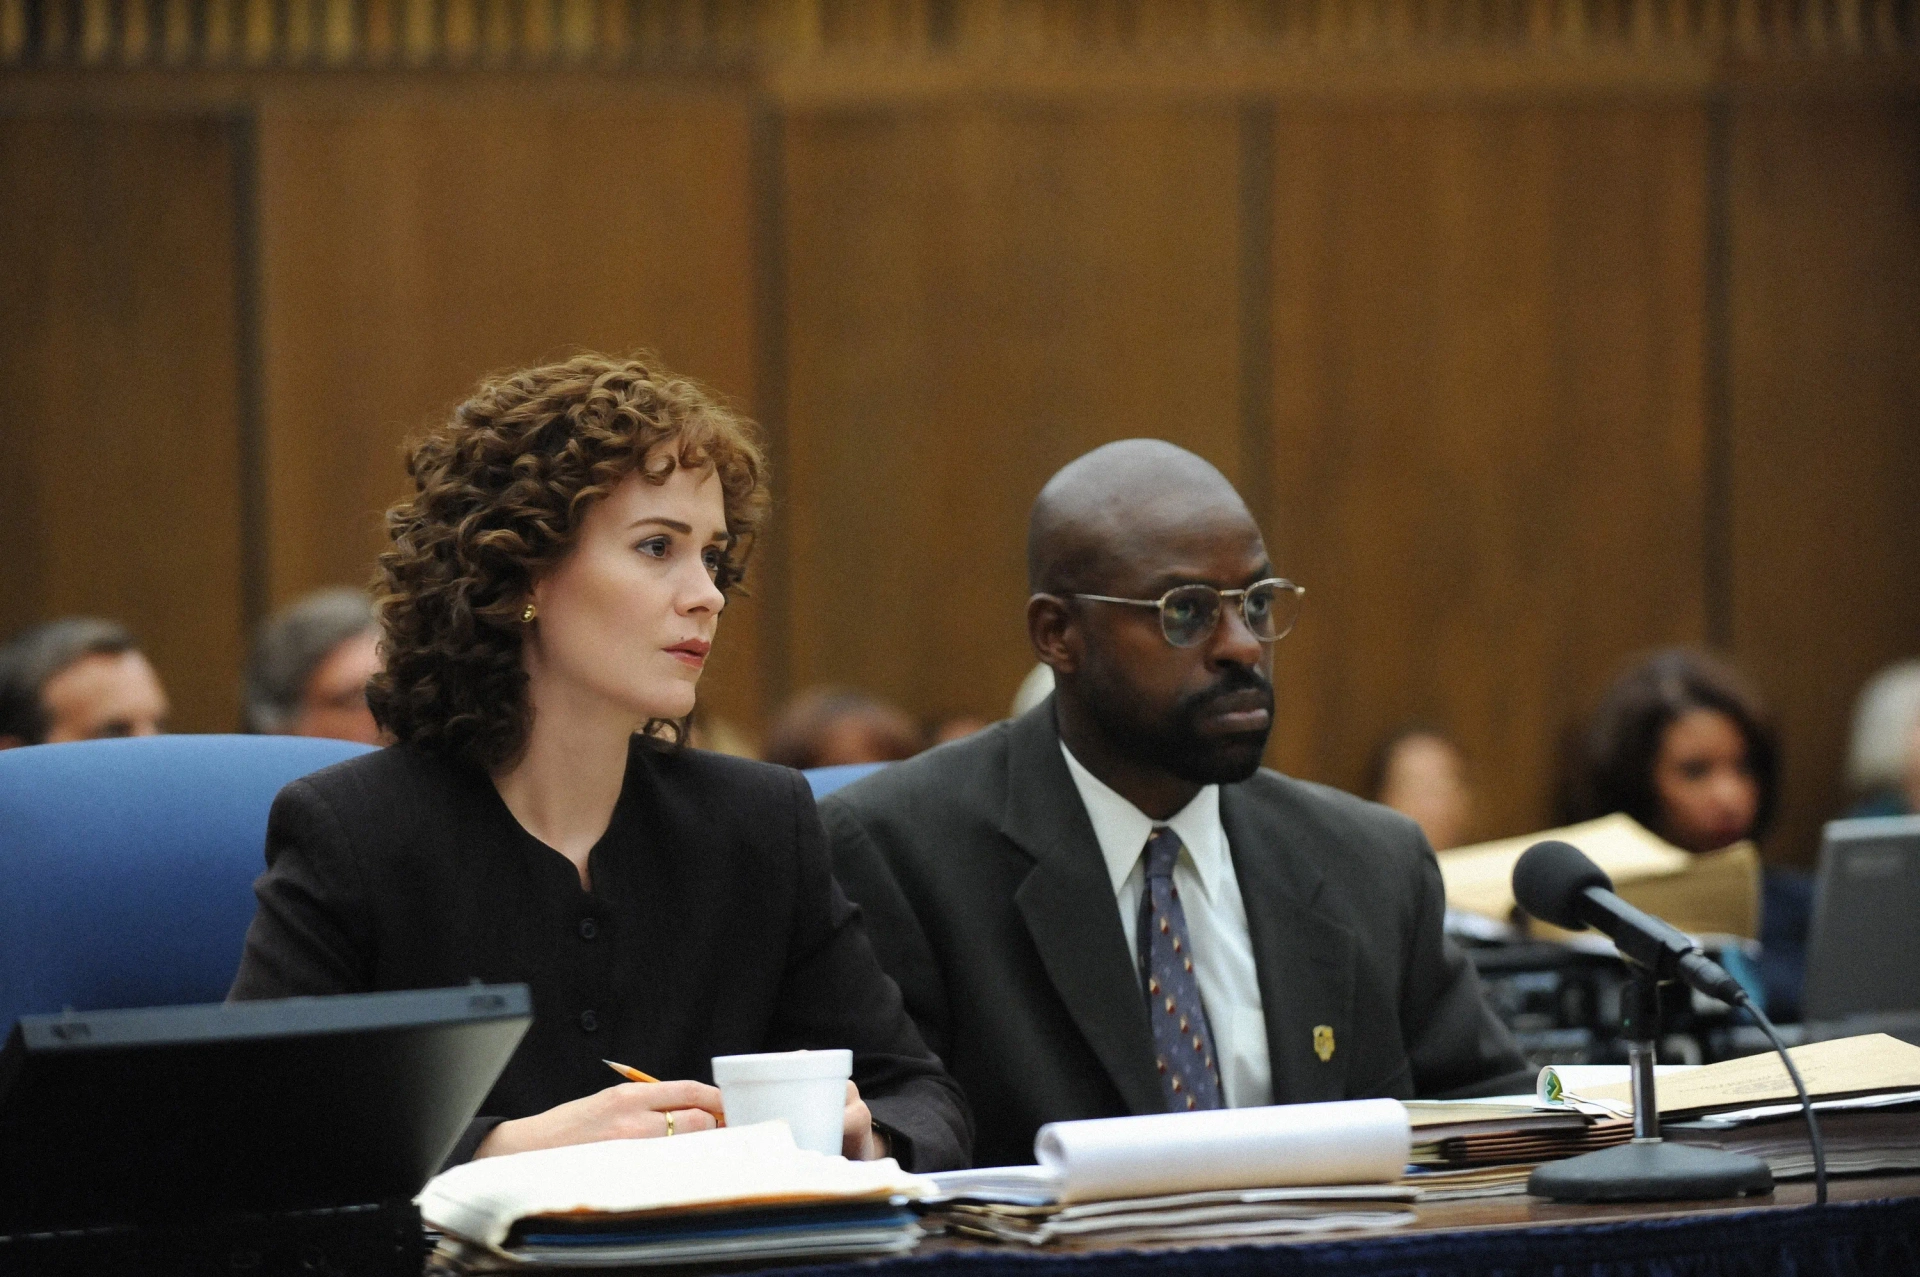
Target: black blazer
(714, 927)
(990, 903)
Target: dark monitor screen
(1862, 954)
(135, 1117)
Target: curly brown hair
(1623, 741)
(499, 492)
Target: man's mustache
(1238, 679)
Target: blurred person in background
(721, 735)
(1883, 757)
(830, 726)
(308, 672)
(1683, 745)
(957, 727)
(1420, 772)
(79, 678)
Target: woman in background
(548, 602)
(1685, 747)
(1421, 772)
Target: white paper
(1027, 1185)
(737, 1165)
(1773, 1112)
(1343, 1142)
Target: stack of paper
(1455, 1135)
(738, 1193)
(1235, 1173)
(1222, 1214)
(1473, 1181)
(1252, 1172)
(1487, 1148)
(1868, 1135)
(1866, 1091)
(1872, 1064)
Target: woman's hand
(626, 1111)
(858, 1140)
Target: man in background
(79, 678)
(832, 727)
(1105, 906)
(309, 669)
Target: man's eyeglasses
(1189, 613)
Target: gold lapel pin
(1323, 1042)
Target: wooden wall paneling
(119, 444)
(977, 293)
(1489, 422)
(850, 45)
(412, 243)
(1826, 422)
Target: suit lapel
(1304, 958)
(1068, 905)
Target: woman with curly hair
(548, 601)
(1685, 747)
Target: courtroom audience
(1421, 772)
(307, 675)
(956, 727)
(1105, 906)
(1684, 745)
(78, 678)
(721, 735)
(831, 726)
(550, 596)
(1883, 756)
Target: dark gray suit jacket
(989, 902)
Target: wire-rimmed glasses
(1189, 613)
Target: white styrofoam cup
(806, 1089)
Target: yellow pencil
(630, 1073)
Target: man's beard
(1173, 742)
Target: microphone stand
(1641, 1023)
(1649, 1169)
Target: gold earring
(526, 613)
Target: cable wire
(1806, 1102)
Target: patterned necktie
(1182, 1043)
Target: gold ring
(669, 1122)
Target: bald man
(1106, 906)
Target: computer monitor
(1862, 959)
(144, 1117)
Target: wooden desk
(1870, 1225)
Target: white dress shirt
(1216, 921)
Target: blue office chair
(827, 779)
(126, 866)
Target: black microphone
(1556, 883)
